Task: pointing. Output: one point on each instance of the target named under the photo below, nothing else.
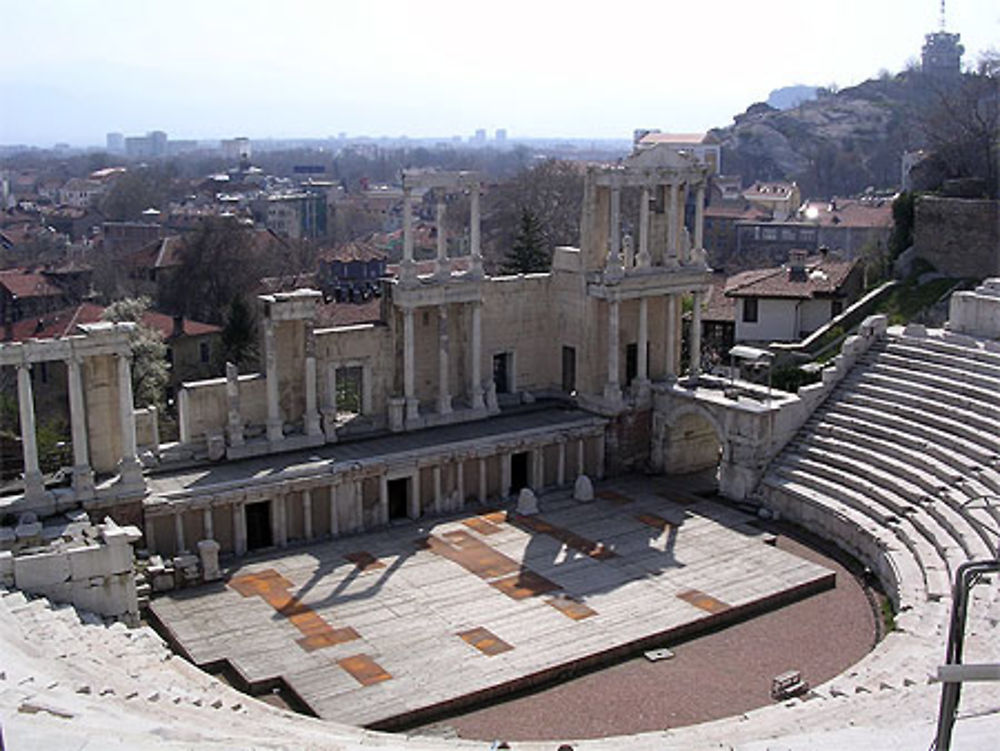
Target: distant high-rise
(115, 143)
(501, 136)
(480, 138)
(236, 149)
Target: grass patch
(888, 616)
(910, 298)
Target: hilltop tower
(942, 53)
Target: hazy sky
(72, 71)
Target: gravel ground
(716, 675)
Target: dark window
(204, 351)
(631, 362)
(749, 310)
(501, 372)
(399, 494)
(837, 308)
(518, 472)
(170, 355)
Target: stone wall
(960, 237)
(977, 313)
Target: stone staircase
(894, 467)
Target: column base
(330, 426)
(613, 393)
(397, 410)
(641, 389)
(274, 431)
(130, 473)
(407, 271)
(442, 270)
(412, 410)
(476, 401)
(234, 434)
(312, 424)
(83, 483)
(444, 406)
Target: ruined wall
(960, 237)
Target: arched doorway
(691, 443)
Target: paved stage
(392, 627)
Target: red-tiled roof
(64, 322)
(22, 283)
(823, 276)
(849, 213)
(347, 314)
(718, 307)
(353, 251)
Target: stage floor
(394, 627)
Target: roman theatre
(504, 482)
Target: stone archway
(691, 440)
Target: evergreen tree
(239, 335)
(528, 253)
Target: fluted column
(600, 455)
(561, 464)
(482, 479)
(474, 233)
(672, 223)
(207, 524)
(83, 475)
(444, 394)
(642, 359)
(670, 364)
(443, 270)
(279, 521)
(407, 267)
(274, 426)
(537, 469)
(581, 463)
(239, 528)
(307, 514)
(409, 367)
(34, 486)
(505, 474)
(437, 488)
(612, 389)
(643, 259)
(383, 498)
(180, 544)
(330, 403)
(696, 334)
(334, 516)
(129, 469)
(459, 484)
(311, 417)
(615, 239)
(699, 217)
(476, 377)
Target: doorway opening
(399, 497)
(518, 471)
(259, 525)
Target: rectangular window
(350, 382)
(204, 351)
(788, 234)
(501, 372)
(631, 362)
(569, 369)
(769, 233)
(749, 310)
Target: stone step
(939, 346)
(961, 380)
(980, 414)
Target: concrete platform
(387, 629)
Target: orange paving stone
(566, 537)
(481, 525)
(497, 517)
(704, 601)
(364, 669)
(655, 521)
(485, 641)
(473, 555)
(364, 561)
(523, 585)
(273, 588)
(571, 608)
(614, 496)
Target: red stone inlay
(273, 588)
(657, 522)
(364, 560)
(566, 537)
(485, 641)
(481, 525)
(523, 585)
(614, 496)
(704, 601)
(364, 669)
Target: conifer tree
(528, 253)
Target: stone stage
(390, 628)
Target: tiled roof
(353, 251)
(823, 276)
(64, 322)
(848, 213)
(718, 307)
(22, 283)
(348, 314)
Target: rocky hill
(837, 144)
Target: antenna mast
(942, 15)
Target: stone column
(334, 520)
(383, 498)
(600, 455)
(642, 346)
(459, 484)
(413, 511)
(407, 267)
(643, 259)
(581, 465)
(474, 233)
(207, 524)
(357, 494)
(696, 334)
(699, 217)
(307, 514)
(476, 377)
(672, 223)
(615, 238)
(274, 423)
(409, 368)
(279, 521)
(33, 484)
(311, 416)
(180, 543)
(330, 403)
(239, 528)
(612, 390)
(83, 475)
(505, 474)
(670, 364)
(443, 270)
(234, 420)
(482, 479)
(129, 469)
(437, 488)
(147, 532)
(537, 469)
(444, 395)
(561, 466)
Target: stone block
(527, 502)
(583, 489)
(34, 573)
(87, 563)
(6, 568)
(216, 446)
(208, 552)
(163, 582)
